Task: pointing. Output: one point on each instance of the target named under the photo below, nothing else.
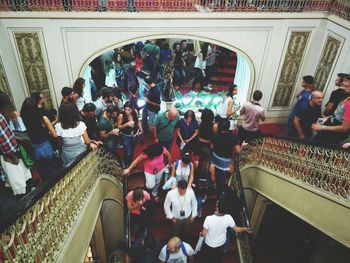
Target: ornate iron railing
(323, 167)
(338, 7)
(41, 223)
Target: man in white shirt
(176, 251)
(180, 207)
(214, 232)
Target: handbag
(28, 162)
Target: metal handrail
(340, 8)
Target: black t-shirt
(154, 96)
(308, 115)
(140, 255)
(336, 97)
(224, 143)
(91, 127)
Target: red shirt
(146, 197)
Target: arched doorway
(232, 66)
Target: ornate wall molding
(326, 62)
(4, 84)
(32, 61)
(290, 69)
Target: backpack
(183, 249)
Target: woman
(73, 133)
(39, 129)
(154, 166)
(78, 89)
(179, 66)
(187, 131)
(207, 129)
(183, 170)
(227, 108)
(129, 127)
(204, 177)
(135, 201)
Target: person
(109, 132)
(206, 131)
(67, 95)
(12, 169)
(136, 200)
(183, 170)
(308, 115)
(165, 54)
(39, 129)
(337, 96)
(225, 144)
(176, 251)
(40, 100)
(253, 112)
(302, 100)
(180, 207)
(105, 100)
(335, 128)
(78, 89)
(145, 250)
(187, 131)
(227, 109)
(72, 132)
(214, 232)
(88, 116)
(204, 177)
(154, 166)
(151, 58)
(199, 68)
(179, 65)
(129, 127)
(164, 127)
(210, 68)
(152, 106)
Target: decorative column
(167, 92)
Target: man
(89, 118)
(225, 144)
(180, 207)
(337, 95)
(106, 99)
(336, 128)
(176, 251)
(152, 106)
(151, 59)
(302, 101)
(16, 173)
(308, 115)
(214, 232)
(145, 250)
(253, 113)
(210, 68)
(67, 95)
(164, 127)
(108, 128)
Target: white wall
(72, 41)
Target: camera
(182, 213)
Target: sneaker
(207, 87)
(119, 146)
(199, 214)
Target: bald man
(164, 127)
(176, 251)
(306, 116)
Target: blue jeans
(147, 119)
(220, 181)
(200, 198)
(167, 144)
(230, 234)
(179, 75)
(44, 158)
(131, 5)
(129, 148)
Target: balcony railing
(38, 227)
(338, 7)
(325, 168)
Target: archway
(242, 70)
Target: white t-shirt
(178, 257)
(217, 226)
(182, 173)
(222, 109)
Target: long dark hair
(153, 150)
(230, 89)
(31, 115)
(68, 115)
(78, 86)
(135, 118)
(207, 119)
(204, 160)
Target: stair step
(225, 70)
(223, 79)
